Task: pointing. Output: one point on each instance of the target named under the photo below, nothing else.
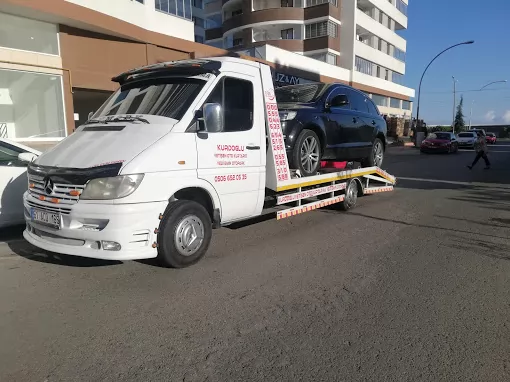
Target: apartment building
(57, 57)
(360, 41)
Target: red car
(444, 142)
(490, 138)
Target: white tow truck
(179, 149)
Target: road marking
(490, 151)
(479, 184)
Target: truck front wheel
(184, 234)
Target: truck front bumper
(100, 231)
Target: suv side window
(236, 98)
(372, 109)
(358, 101)
(336, 92)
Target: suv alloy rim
(309, 153)
(378, 154)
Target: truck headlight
(287, 115)
(111, 188)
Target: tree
(459, 117)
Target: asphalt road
(410, 286)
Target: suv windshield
(167, 97)
(466, 135)
(445, 136)
(305, 93)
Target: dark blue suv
(330, 122)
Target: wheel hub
(309, 154)
(189, 235)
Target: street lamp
(483, 87)
(421, 79)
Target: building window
(181, 8)
(287, 3)
(395, 103)
(26, 34)
(326, 57)
(199, 39)
(198, 21)
(287, 34)
(237, 42)
(324, 28)
(406, 105)
(386, 74)
(397, 78)
(363, 66)
(402, 7)
(311, 3)
(237, 12)
(380, 100)
(140, 1)
(198, 4)
(399, 54)
(32, 105)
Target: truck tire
(351, 195)
(306, 156)
(376, 157)
(184, 234)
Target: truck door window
(236, 98)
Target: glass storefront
(31, 105)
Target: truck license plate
(46, 218)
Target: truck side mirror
(212, 117)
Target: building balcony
(374, 27)
(319, 43)
(377, 57)
(322, 10)
(278, 15)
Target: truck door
(231, 159)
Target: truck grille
(61, 192)
(53, 208)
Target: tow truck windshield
(167, 97)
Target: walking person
(481, 151)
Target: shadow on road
(499, 251)
(29, 252)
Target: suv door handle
(354, 119)
(250, 147)
(373, 122)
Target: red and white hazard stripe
(308, 207)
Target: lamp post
(454, 102)
(483, 87)
(421, 79)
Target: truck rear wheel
(184, 234)
(351, 195)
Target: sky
(434, 25)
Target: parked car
(482, 131)
(330, 122)
(467, 139)
(14, 158)
(490, 138)
(440, 142)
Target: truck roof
(186, 67)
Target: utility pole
(471, 113)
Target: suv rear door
(362, 136)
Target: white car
(14, 158)
(467, 139)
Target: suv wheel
(377, 155)
(306, 155)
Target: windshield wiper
(127, 118)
